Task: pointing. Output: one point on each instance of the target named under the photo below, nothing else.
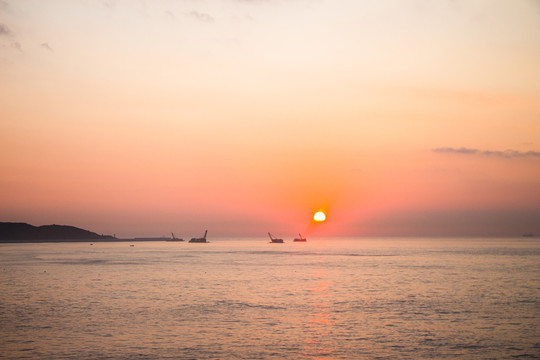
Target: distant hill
(14, 232)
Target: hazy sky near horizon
(142, 118)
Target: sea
(355, 298)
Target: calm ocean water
(248, 299)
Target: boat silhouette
(199, 240)
(300, 238)
(174, 238)
(275, 240)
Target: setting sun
(319, 216)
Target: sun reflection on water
(321, 319)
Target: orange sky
(145, 118)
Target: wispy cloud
(5, 31)
(504, 154)
(200, 16)
(109, 3)
(254, 1)
(10, 40)
(46, 47)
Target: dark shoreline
(37, 241)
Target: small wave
(240, 304)
(96, 262)
(307, 253)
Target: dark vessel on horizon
(300, 238)
(275, 240)
(174, 238)
(199, 240)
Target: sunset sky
(141, 118)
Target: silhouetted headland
(11, 232)
(23, 232)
